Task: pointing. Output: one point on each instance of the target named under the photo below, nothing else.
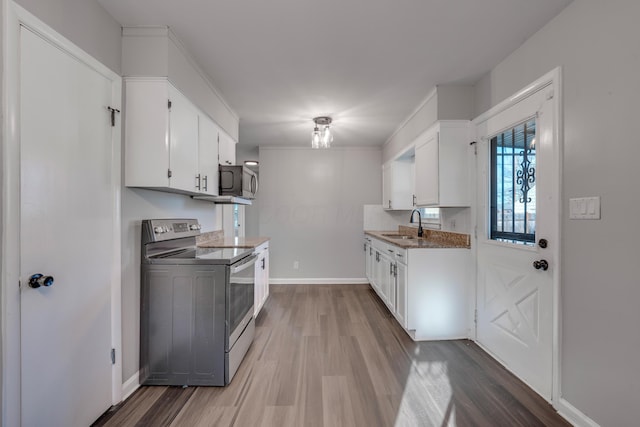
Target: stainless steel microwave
(238, 181)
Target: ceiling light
(324, 138)
(251, 163)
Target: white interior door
(68, 216)
(515, 301)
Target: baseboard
(574, 415)
(130, 385)
(319, 281)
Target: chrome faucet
(420, 231)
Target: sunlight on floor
(430, 381)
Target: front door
(68, 230)
(517, 230)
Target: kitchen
(598, 380)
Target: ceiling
(366, 63)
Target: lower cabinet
(425, 289)
(261, 290)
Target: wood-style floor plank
(334, 356)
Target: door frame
(553, 77)
(13, 17)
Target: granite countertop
(433, 239)
(216, 239)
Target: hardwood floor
(334, 356)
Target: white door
(69, 198)
(518, 201)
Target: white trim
(574, 415)
(553, 77)
(10, 256)
(318, 281)
(14, 16)
(130, 385)
(430, 95)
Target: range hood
(224, 200)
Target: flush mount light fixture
(321, 138)
(251, 163)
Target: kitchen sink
(399, 236)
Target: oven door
(240, 298)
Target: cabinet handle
(263, 260)
(391, 269)
(390, 250)
(206, 179)
(198, 181)
(414, 200)
(395, 270)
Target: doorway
(518, 233)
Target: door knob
(38, 280)
(542, 264)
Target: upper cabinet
(169, 144)
(227, 150)
(398, 183)
(442, 161)
(208, 134)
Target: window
(513, 184)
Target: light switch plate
(584, 208)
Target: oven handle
(246, 264)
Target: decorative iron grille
(513, 184)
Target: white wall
(311, 205)
(83, 22)
(596, 43)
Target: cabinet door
(265, 275)
(391, 289)
(183, 142)
(401, 294)
(258, 291)
(227, 147)
(367, 260)
(402, 184)
(427, 172)
(378, 272)
(146, 131)
(386, 186)
(208, 155)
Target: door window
(513, 184)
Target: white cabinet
(398, 184)
(442, 163)
(227, 150)
(261, 290)
(170, 145)
(149, 139)
(207, 177)
(425, 289)
(368, 258)
(401, 276)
